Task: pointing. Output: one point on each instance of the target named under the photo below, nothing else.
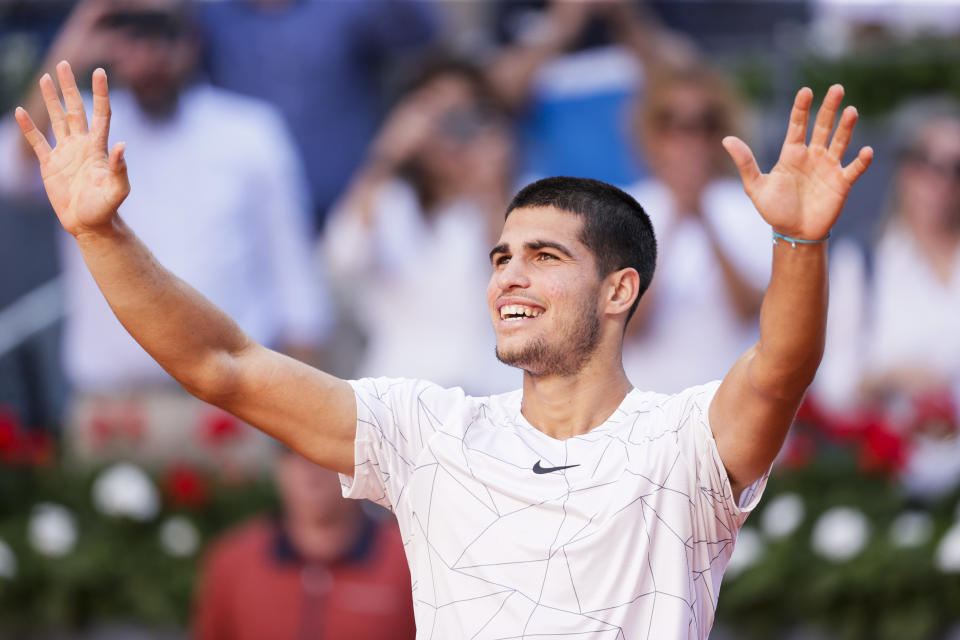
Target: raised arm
(197, 343)
(800, 198)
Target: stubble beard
(565, 356)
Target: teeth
(512, 310)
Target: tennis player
(576, 507)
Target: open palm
(803, 194)
(84, 183)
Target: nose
(512, 275)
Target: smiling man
(576, 507)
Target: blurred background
(321, 169)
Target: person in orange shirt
(322, 568)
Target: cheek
(565, 295)
(492, 291)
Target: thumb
(120, 185)
(743, 158)
(117, 162)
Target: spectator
(235, 226)
(322, 63)
(701, 312)
(323, 568)
(571, 70)
(892, 339)
(414, 230)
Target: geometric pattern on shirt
(630, 543)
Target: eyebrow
(533, 245)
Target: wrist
(111, 229)
(795, 239)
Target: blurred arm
(513, 70)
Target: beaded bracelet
(795, 241)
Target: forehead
(942, 137)
(529, 224)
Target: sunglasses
(147, 24)
(462, 125)
(709, 122)
(921, 159)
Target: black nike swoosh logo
(538, 469)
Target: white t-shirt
(901, 316)
(219, 197)
(623, 532)
(416, 283)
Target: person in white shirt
(418, 218)
(575, 507)
(223, 202)
(892, 336)
(702, 311)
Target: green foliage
(876, 79)
(884, 593)
(118, 570)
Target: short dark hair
(616, 229)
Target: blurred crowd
(333, 175)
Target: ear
(622, 289)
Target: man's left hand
(803, 194)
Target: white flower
(52, 529)
(911, 529)
(748, 549)
(125, 490)
(783, 515)
(179, 537)
(948, 551)
(8, 561)
(840, 533)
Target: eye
(501, 260)
(543, 256)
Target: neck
(571, 405)
(935, 238)
(323, 539)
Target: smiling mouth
(518, 312)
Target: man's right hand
(84, 183)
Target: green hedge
(118, 569)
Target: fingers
(100, 126)
(799, 115)
(58, 118)
(841, 137)
(76, 114)
(36, 139)
(743, 158)
(855, 169)
(826, 116)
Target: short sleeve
(715, 501)
(396, 418)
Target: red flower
(935, 413)
(218, 428)
(39, 448)
(882, 450)
(114, 424)
(185, 486)
(11, 437)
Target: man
(322, 64)
(322, 569)
(223, 201)
(576, 506)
